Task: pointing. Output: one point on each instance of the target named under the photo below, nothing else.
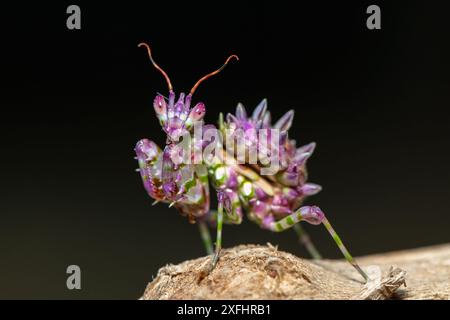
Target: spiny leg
(206, 237)
(304, 239)
(314, 215)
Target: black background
(74, 103)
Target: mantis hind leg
(314, 215)
(215, 258)
(305, 240)
(206, 237)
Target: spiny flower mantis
(242, 183)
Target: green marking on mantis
(206, 237)
(290, 221)
(221, 122)
(337, 240)
(220, 174)
(190, 183)
(278, 226)
(204, 179)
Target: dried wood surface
(264, 272)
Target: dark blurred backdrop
(74, 103)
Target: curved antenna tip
(213, 73)
(143, 44)
(232, 56)
(149, 51)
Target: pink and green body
(271, 201)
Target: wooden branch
(263, 272)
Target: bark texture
(264, 272)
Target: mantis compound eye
(160, 106)
(198, 112)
